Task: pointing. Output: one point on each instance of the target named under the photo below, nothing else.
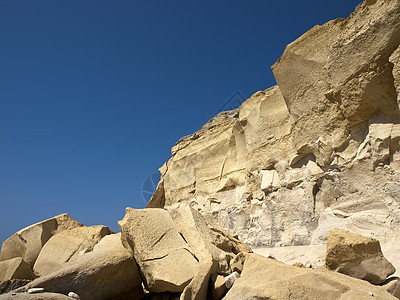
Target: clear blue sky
(93, 94)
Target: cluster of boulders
(175, 254)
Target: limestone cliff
(319, 150)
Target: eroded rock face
(357, 256)
(28, 242)
(318, 151)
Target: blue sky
(93, 94)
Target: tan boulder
(166, 261)
(15, 268)
(67, 245)
(28, 242)
(357, 256)
(264, 278)
(106, 272)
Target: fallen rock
(165, 260)
(106, 272)
(28, 242)
(15, 268)
(357, 256)
(264, 278)
(68, 245)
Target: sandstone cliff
(319, 150)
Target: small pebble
(371, 294)
(35, 290)
(73, 295)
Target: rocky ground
(174, 253)
(305, 173)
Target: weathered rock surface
(264, 278)
(357, 256)
(395, 59)
(67, 245)
(28, 242)
(166, 261)
(15, 268)
(106, 272)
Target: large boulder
(106, 272)
(15, 268)
(166, 261)
(67, 245)
(28, 242)
(357, 256)
(264, 278)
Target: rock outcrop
(319, 150)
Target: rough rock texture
(217, 287)
(41, 296)
(264, 278)
(108, 271)
(15, 268)
(67, 245)
(28, 242)
(319, 150)
(357, 256)
(395, 59)
(9, 285)
(392, 286)
(165, 259)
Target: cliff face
(319, 150)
